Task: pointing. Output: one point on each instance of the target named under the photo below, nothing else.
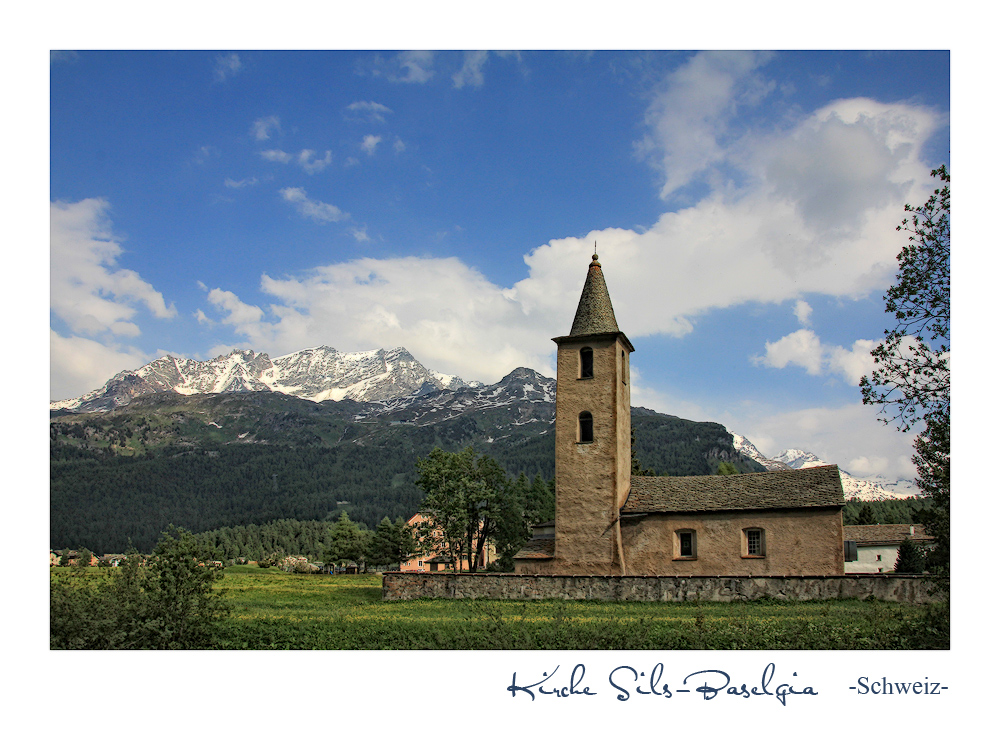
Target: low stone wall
(408, 586)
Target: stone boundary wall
(660, 588)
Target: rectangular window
(755, 542)
(586, 363)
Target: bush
(167, 604)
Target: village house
(429, 562)
(878, 545)
(608, 522)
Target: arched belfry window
(586, 427)
(586, 363)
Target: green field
(276, 610)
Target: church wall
(796, 542)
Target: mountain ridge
(316, 373)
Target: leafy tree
(468, 498)
(726, 468)
(912, 377)
(910, 558)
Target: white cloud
(263, 128)
(447, 314)
(370, 111)
(416, 67)
(245, 182)
(276, 156)
(408, 67)
(471, 73)
(89, 292)
(804, 349)
(227, 66)
(803, 312)
(801, 348)
(399, 145)
(205, 153)
(369, 143)
(304, 159)
(690, 117)
(78, 365)
(314, 209)
(361, 234)
(306, 162)
(849, 436)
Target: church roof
(817, 486)
(594, 313)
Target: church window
(586, 363)
(753, 542)
(624, 370)
(685, 544)
(586, 427)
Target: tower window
(586, 427)
(586, 363)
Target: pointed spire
(594, 313)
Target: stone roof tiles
(537, 548)
(884, 534)
(817, 486)
(594, 313)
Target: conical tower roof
(594, 313)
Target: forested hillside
(214, 461)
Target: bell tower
(593, 435)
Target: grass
(276, 610)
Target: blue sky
(744, 206)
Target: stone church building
(608, 522)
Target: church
(609, 522)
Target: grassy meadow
(276, 610)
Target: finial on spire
(594, 257)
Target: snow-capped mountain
(317, 374)
(873, 488)
(524, 395)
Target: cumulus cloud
(370, 111)
(849, 436)
(306, 162)
(227, 66)
(804, 349)
(803, 312)
(263, 128)
(471, 73)
(78, 365)
(690, 116)
(90, 293)
(800, 348)
(314, 209)
(759, 237)
(369, 143)
(447, 314)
